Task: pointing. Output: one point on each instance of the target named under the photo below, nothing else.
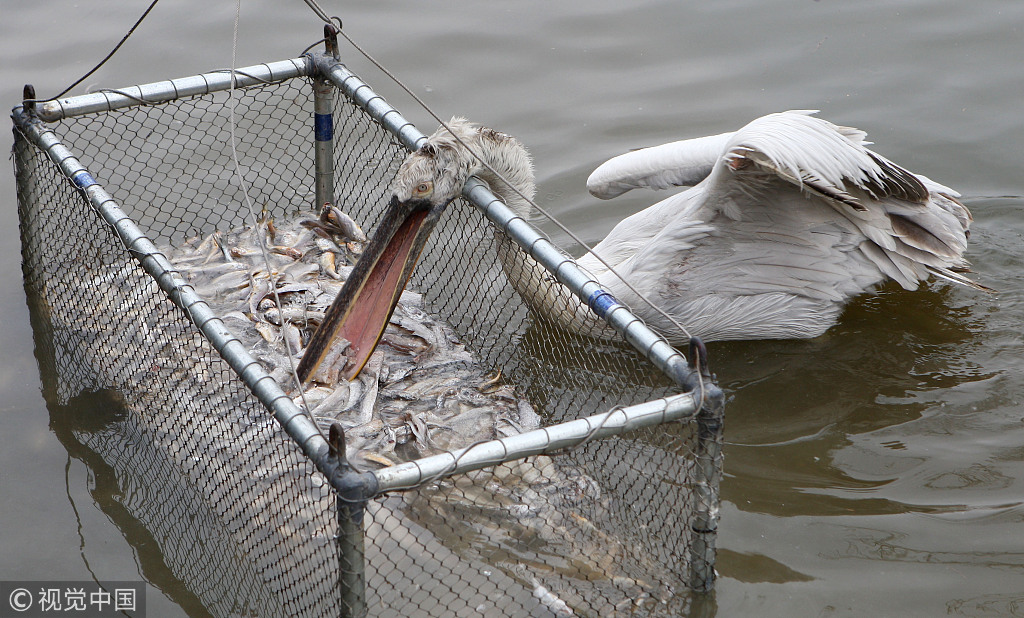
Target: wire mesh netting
(104, 324)
(242, 516)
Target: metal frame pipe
(650, 344)
(160, 92)
(351, 539)
(296, 423)
(323, 155)
(653, 346)
(537, 442)
(707, 481)
(704, 403)
(372, 103)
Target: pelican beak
(361, 311)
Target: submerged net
(241, 515)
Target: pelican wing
(678, 164)
(911, 225)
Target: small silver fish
(343, 224)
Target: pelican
(784, 221)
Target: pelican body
(783, 222)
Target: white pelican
(785, 220)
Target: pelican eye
(423, 189)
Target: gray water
(875, 471)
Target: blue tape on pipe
(324, 127)
(601, 301)
(83, 179)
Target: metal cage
(258, 515)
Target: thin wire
(104, 61)
(260, 240)
(306, 51)
(312, 4)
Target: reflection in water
(977, 476)
(896, 547)
(796, 404)
(94, 421)
(1010, 604)
(757, 568)
(900, 425)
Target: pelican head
(427, 182)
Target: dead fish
(412, 345)
(549, 599)
(346, 228)
(335, 403)
(370, 386)
(258, 289)
(418, 426)
(326, 261)
(268, 332)
(218, 239)
(293, 314)
(492, 382)
(239, 252)
(432, 392)
(300, 270)
(423, 392)
(332, 366)
(292, 338)
(313, 397)
(291, 252)
(233, 280)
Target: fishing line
(260, 238)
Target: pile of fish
(420, 393)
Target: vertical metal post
(705, 519)
(352, 557)
(323, 118)
(708, 475)
(354, 489)
(29, 98)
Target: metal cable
(124, 39)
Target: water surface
(876, 470)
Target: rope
(124, 39)
(312, 4)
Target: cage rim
(265, 388)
